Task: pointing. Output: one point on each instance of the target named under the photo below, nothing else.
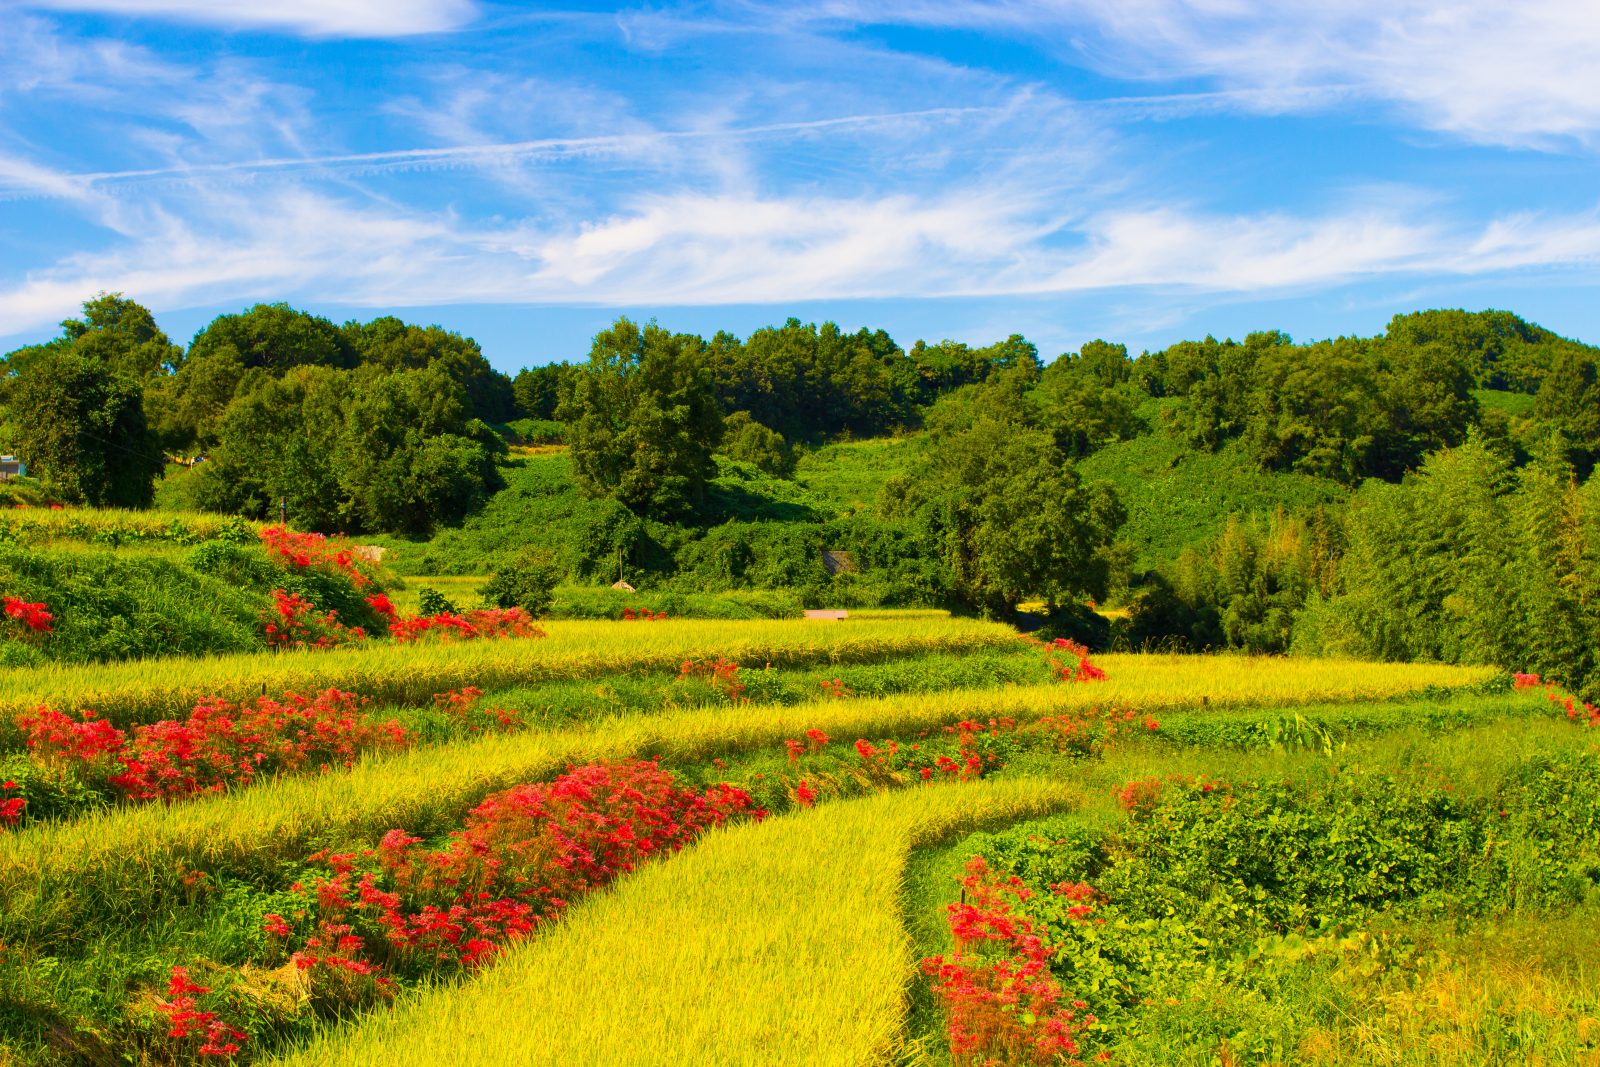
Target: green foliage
(806, 382)
(528, 583)
(574, 602)
(748, 441)
(1006, 512)
(75, 407)
(1243, 590)
(433, 602)
(111, 606)
(539, 391)
(1469, 563)
(351, 450)
(1177, 498)
(644, 420)
(1217, 893)
(537, 431)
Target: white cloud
(311, 18)
(1489, 71)
(237, 246)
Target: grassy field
(802, 964)
(403, 674)
(794, 939)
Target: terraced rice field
(734, 843)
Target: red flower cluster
(837, 689)
(220, 745)
(11, 809)
(1060, 654)
(380, 603)
(210, 1035)
(1005, 1006)
(447, 626)
(316, 550)
(1578, 712)
(463, 704)
(642, 615)
(721, 674)
(293, 622)
(36, 617)
(522, 856)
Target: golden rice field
(409, 674)
(783, 941)
(764, 944)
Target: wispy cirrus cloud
(1519, 74)
(310, 18)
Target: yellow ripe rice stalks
(412, 674)
(127, 859)
(776, 943)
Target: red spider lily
(462, 704)
(804, 794)
(1004, 1004)
(312, 550)
(642, 615)
(11, 809)
(294, 622)
(448, 626)
(1061, 653)
(1576, 711)
(218, 746)
(380, 603)
(187, 1022)
(721, 674)
(522, 856)
(36, 617)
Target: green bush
(588, 603)
(109, 607)
(528, 583)
(433, 602)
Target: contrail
(491, 153)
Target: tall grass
(779, 943)
(411, 674)
(122, 864)
(112, 525)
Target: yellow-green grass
(776, 943)
(412, 674)
(463, 590)
(128, 860)
(44, 524)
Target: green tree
(645, 420)
(747, 440)
(1007, 513)
(81, 429)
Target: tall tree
(80, 427)
(644, 420)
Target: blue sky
(1140, 170)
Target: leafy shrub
(580, 603)
(433, 602)
(528, 583)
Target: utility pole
(283, 511)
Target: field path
(773, 943)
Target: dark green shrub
(433, 602)
(527, 583)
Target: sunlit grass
(127, 860)
(778, 943)
(412, 674)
